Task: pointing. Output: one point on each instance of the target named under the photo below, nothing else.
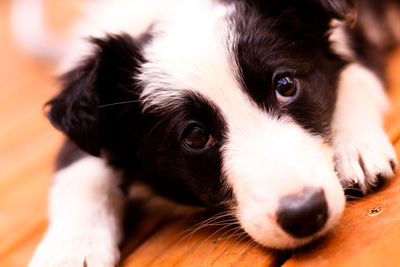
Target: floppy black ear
(106, 76)
(341, 9)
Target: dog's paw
(365, 160)
(75, 253)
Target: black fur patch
(105, 77)
(289, 41)
(186, 176)
(68, 154)
(340, 9)
(373, 53)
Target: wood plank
(21, 254)
(23, 209)
(392, 121)
(181, 242)
(27, 148)
(146, 214)
(359, 239)
(25, 204)
(36, 155)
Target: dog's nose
(304, 214)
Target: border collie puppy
(268, 109)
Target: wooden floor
(160, 234)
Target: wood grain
(392, 123)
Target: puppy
(267, 109)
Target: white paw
(82, 252)
(364, 160)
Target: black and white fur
(152, 68)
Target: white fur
(340, 43)
(104, 16)
(357, 128)
(189, 53)
(85, 217)
(264, 158)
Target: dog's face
(223, 104)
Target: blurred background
(28, 143)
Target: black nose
(304, 214)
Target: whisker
(207, 223)
(212, 219)
(216, 220)
(119, 103)
(228, 234)
(242, 236)
(213, 234)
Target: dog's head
(224, 104)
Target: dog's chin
(279, 240)
(286, 243)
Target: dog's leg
(85, 217)
(364, 155)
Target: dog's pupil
(196, 137)
(286, 86)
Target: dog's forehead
(190, 50)
(193, 51)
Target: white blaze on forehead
(191, 51)
(263, 158)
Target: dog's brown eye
(196, 137)
(285, 89)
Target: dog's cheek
(269, 160)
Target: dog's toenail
(380, 181)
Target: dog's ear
(106, 77)
(340, 9)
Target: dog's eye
(285, 89)
(195, 137)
